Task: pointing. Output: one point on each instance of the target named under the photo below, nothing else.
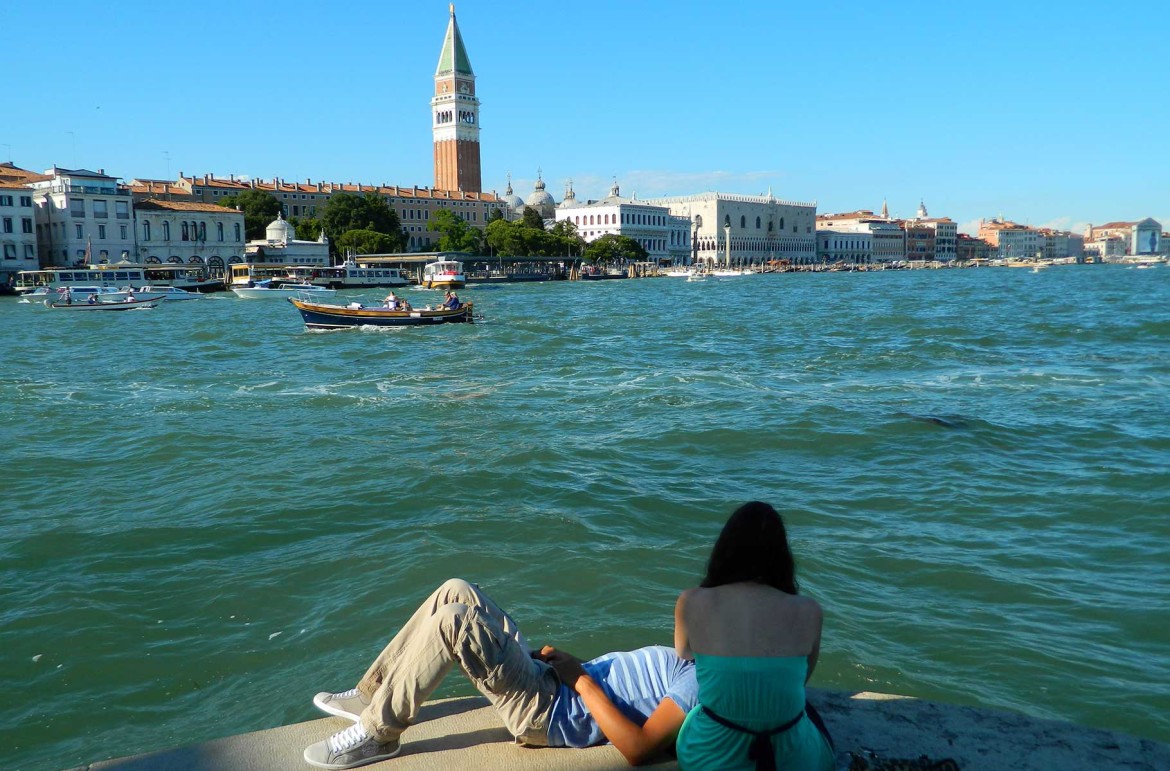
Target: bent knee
(456, 589)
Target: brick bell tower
(455, 117)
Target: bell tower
(455, 117)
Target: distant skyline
(1046, 113)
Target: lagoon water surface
(210, 514)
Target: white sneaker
(347, 704)
(350, 748)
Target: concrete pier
(465, 733)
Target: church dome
(280, 230)
(540, 200)
(513, 201)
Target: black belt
(760, 749)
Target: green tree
(496, 214)
(532, 219)
(458, 235)
(308, 228)
(366, 242)
(502, 237)
(569, 242)
(259, 208)
(346, 211)
(615, 248)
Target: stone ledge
(465, 733)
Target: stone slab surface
(466, 734)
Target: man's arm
(639, 744)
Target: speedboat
(80, 294)
(170, 293)
(679, 272)
(102, 305)
(268, 288)
(330, 316)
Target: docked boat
(269, 288)
(330, 316)
(102, 305)
(679, 272)
(729, 272)
(121, 274)
(443, 274)
(598, 273)
(348, 275)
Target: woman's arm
(682, 642)
(638, 744)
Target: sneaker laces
(346, 740)
(352, 692)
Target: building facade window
(237, 231)
(145, 231)
(101, 231)
(122, 232)
(202, 231)
(7, 224)
(80, 230)
(122, 210)
(26, 200)
(5, 200)
(166, 231)
(186, 232)
(101, 210)
(77, 208)
(219, 230)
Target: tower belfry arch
(455, 116)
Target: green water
(210, 514)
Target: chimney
(102, 172)
(252, 183)
(232, 177)
(308, 181)
(180, 175)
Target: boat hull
(125, 305)
(327, 316)
(443, 283)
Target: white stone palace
(732, 229)
(664, 236)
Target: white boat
(679, 272)
(101, 305)
(120, 274)
(262, 289)
(348, 275)
(169, 293)
(728, 272)
(443, 274)
(80, 294)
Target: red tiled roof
(155, 204)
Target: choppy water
(210, 514)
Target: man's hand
(566, 665)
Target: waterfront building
(189, 232)
(920, 241)
(513, 205)
(82, 216)
(1061, 245)
(664, 236)
(853, 247)
(455, 116)
(18, 238)
(1105, 248)
(761, 228)
(969, 249)
(413, 205)
(946, 233)
(280, 246)
(541, 200)
(1142, 237)
(1011, 240)
(887, 238)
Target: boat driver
(391, 301)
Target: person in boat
(451, 301)
(404, 305)
(636, 699)
(66, 295)
(754, 641)
(92, 299)
(130, 294)
(391, 301)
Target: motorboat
(443, 274)
(348, 275)
(679, 272)
(331, 316)
(270, 288)
(102, 305)
(169, 293)
(79, 294)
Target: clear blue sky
(1049, 113)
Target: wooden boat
(123, 305)
(329, 316)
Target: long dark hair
(753, 547)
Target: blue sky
(1048, 113)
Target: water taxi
(183, 276)
(443, 274)
(328, 316)
(101, 305)
(81, 294)
(271, 288)
(347, 275)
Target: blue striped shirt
(635, 681)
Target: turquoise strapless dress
(759, 694)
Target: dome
(280, 230)
(540, 200)
(510, 199)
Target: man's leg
(454, 590)
(521, 688)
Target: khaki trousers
(459, 624)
